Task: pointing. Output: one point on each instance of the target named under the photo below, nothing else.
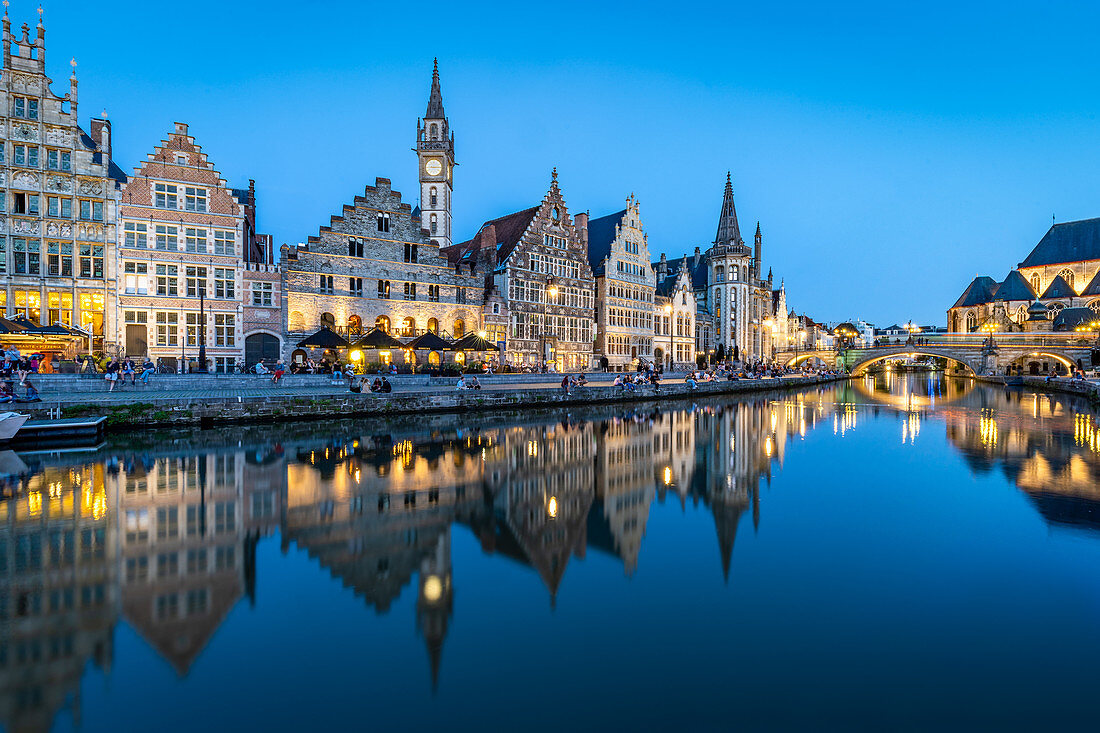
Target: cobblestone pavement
(263, 389)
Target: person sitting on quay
(387, 387)
(32, 393)
(690, 382)
(566, 384)
(280, 369)
(461, 384)
(261, 370)
(655, 381)
(582, 381)
(474, 383)
(7, 391)
(357, 387)
(147, 368)
(376, 385)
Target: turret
(756, 251)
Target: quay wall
(149, 411)
(1082, 387)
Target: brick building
(58, 192)
(183, 233)
(375, 265)
(619, 256)
(536, 262)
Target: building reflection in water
(165, 537)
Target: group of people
(380, 384)
(463, 383)
(115, 372)
(631, 383)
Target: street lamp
(668, 314)
(989, 327)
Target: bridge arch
(861, 366)
(822, 356)
(1062, 359)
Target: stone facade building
(537, 261)
(375, 265)
(675, 311)
(1055, 288)
(58, 194)
(734, 301)
(619, 257)
(183, 234)
(436, 154)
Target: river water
(895, 552)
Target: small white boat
(10, 422)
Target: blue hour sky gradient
(890, 151)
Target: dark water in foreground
(894, 553)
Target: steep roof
(697, 271)
(980, 290)
(1093, 288)
(1015, 287)
(435, 99)
(601, 233)
(728, 230)
(1072, 241)
(1058, 288)
(1070, 318)
(509, 228)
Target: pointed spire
(728, 230)
(435, 99)
(758, 230)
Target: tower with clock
(435, 151)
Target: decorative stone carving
(59, 183)
(24, 179)
(24, 81)
(57, 136)
(91, 188)
(66, 230)
(24, 226)
(52, 229)
(89, 232)
(23, 131)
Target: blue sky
(890, 152)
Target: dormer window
(181, 160)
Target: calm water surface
(898, 552)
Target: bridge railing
(1063, 340)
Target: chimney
(580, 222)
(698, 254)
(101, 134)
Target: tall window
(137, 234)
(225, 283)
(410, 252)
(91, 260)
(167, 238)
(224, 329)
(327, 285)
(433, 196)
(384, 289)
(167, 329)
(382, 323)
(165, 196)
(383, 222)
(434, 224)
(194, 199)
(194, 240)
(196, 280)
(225, 242)
(433, 293)
(971, 323)
(355, 286)
(459, 329)
(1035, 283)
(355, 247)
(410, 291)
(167, 280)
(1067, 275)
(263, 294)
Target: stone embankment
(1083, 387)
(147, 410)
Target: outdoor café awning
(473, 342)
(376, 338)
(430, 342)
(326, 338)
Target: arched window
(460, 358)
(355, 325)
(408, 326)
(433, 326)
(297, 321)
(382, 323)
(433, 358)
(328, 321)
(971, 323)
(1021, 314)
(1054, 310)
(459, 329)
(1067, 275)
(433, 196)
(435, 131)
(434, 224)
(1035, 283)
(734, 272)
(1095, 306)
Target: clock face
(433, 167)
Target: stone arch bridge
(976, 358)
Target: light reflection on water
(129, 561)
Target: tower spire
(435, 99)
(728, 230)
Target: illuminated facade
(59, 196)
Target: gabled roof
(1093, 288)
(601, 233)
(1070, 318)
(509, 228)
(698, 272)
(1072, 241)
(1015, 287)
(1059, 288)
(980, 290)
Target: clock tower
(435, 150)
